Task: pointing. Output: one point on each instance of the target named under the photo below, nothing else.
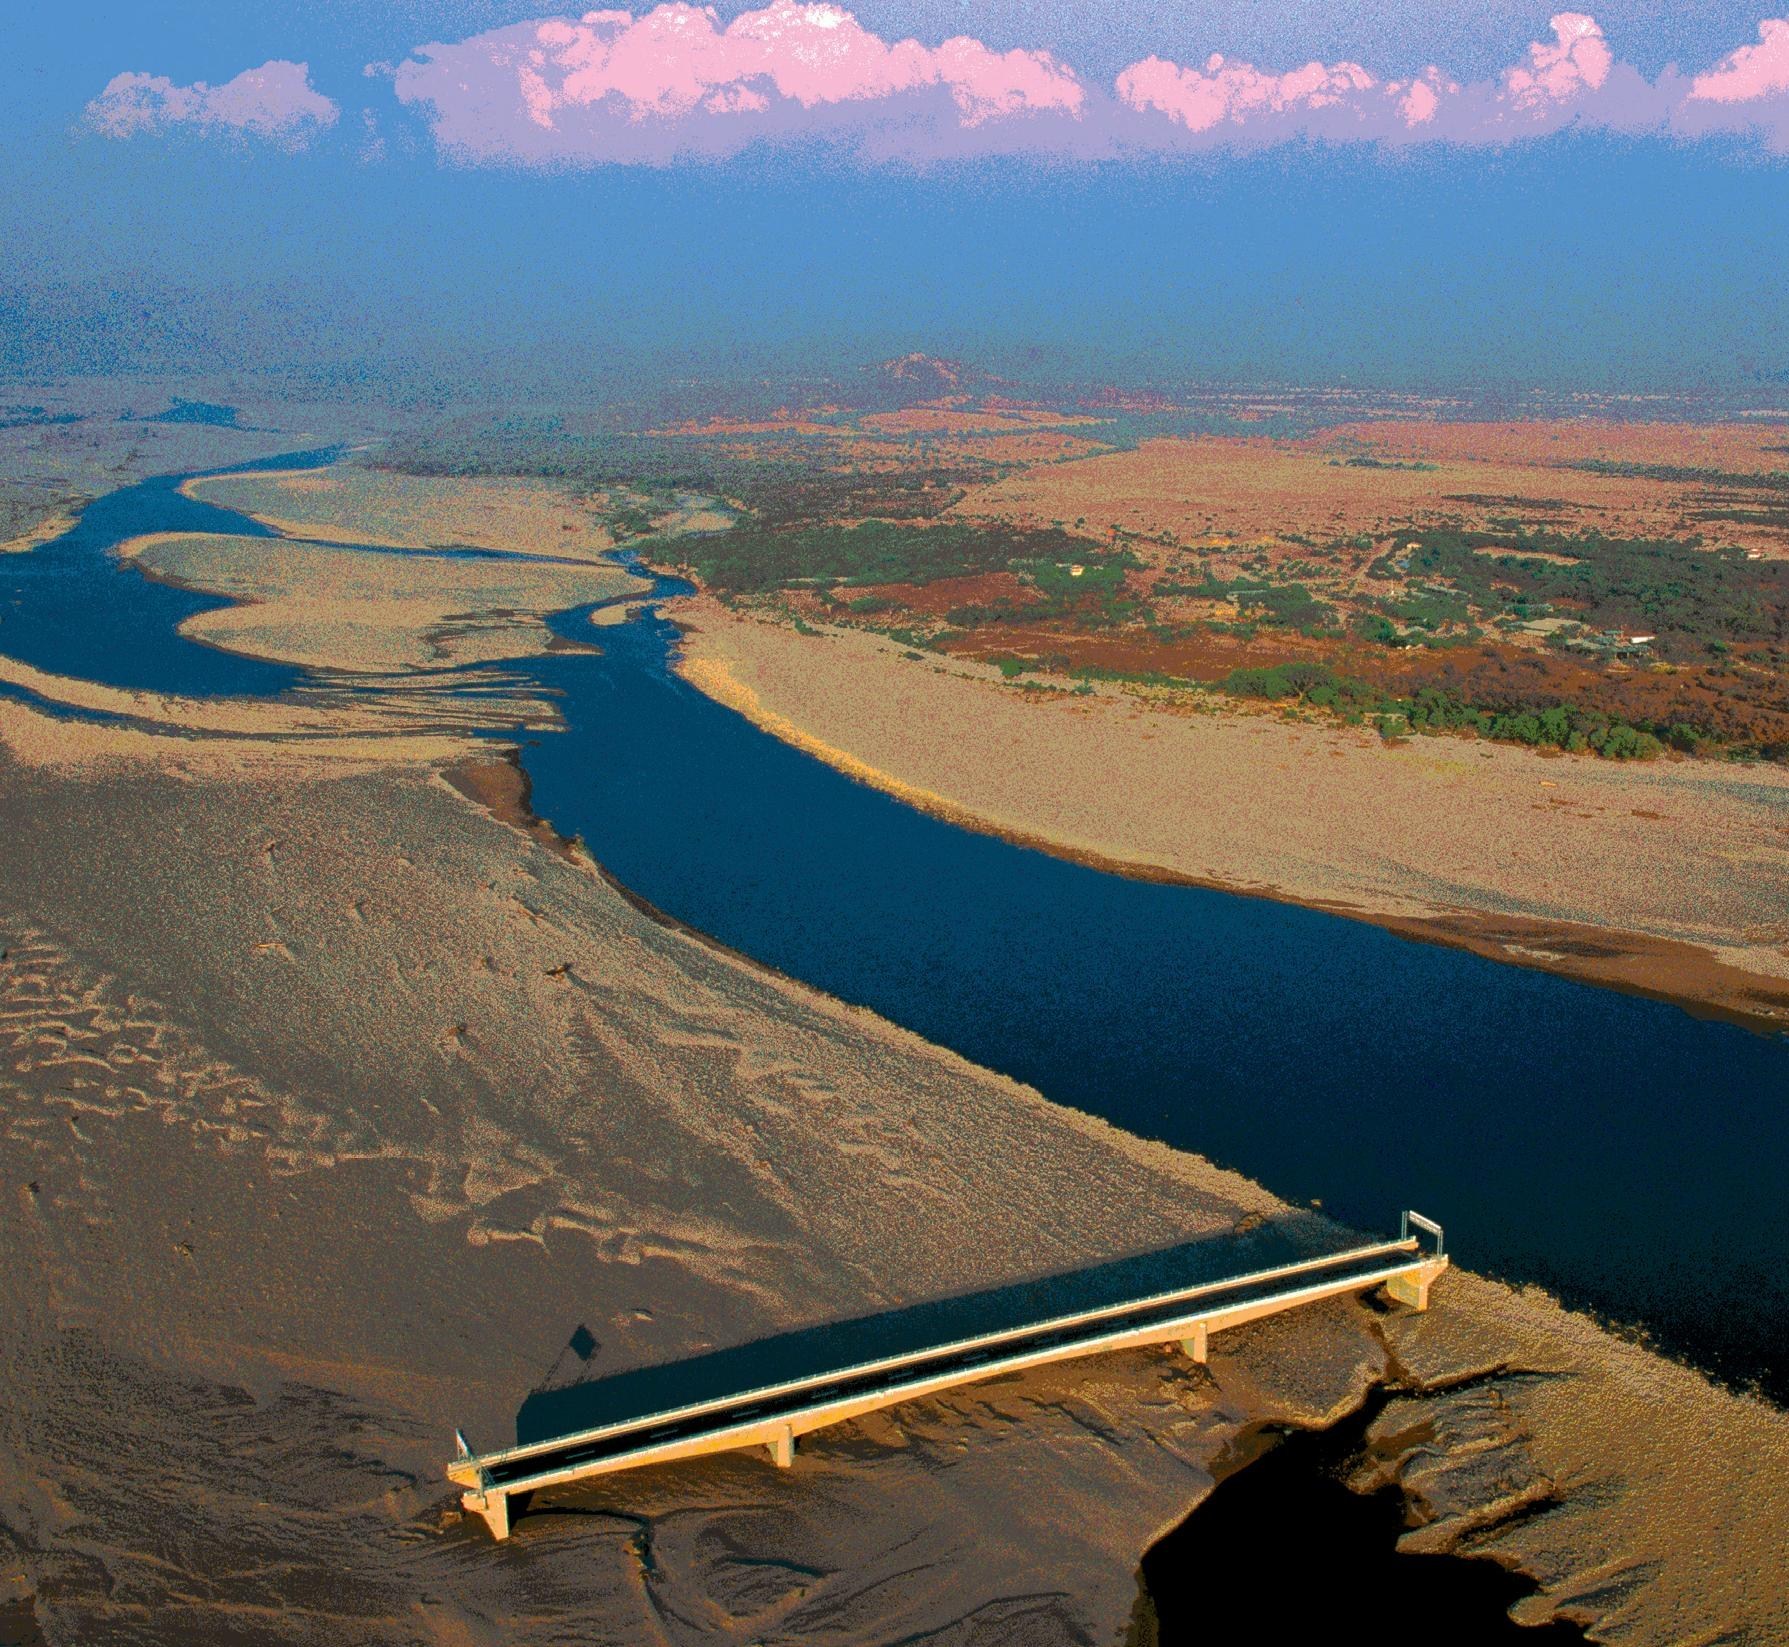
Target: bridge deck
(774, 1415)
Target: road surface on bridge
(774, 1415)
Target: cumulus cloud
(1751, 73)
(1576, 60)
(276, 101)
(1747, 91)
(611, 85)
(1570, 76)
(1328, 99)
(676, 81)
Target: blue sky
(1572, 257)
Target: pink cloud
(1225, 91)
(1570, 77)
(1750, 73)
(1576, 60)
(615, 86)
(572, 87)
(1747, 92)
(1333, 100)
(276, 100)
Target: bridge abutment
(492, 1508)
(1412, 1287)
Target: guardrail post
(1423, 1223)
(782, 1448)
(1198, 1346)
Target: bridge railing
(739, 1419)
(1422, 1223)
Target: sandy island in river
(1669, 877)
(331, 1104)
(348, 504)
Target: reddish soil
(1745, 706)
(936, 599)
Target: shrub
(1624, 743)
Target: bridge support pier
(1198, 1346)
(1412, 1287)
(782, 1448)
(493, 1508)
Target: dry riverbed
(1668, 877)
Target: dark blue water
(1618, 1150)
(1615, 1149)
(71, 608)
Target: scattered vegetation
(1774, 480)
(1437, 629)
(754, 559)
(1363, 462)
(793, 483)
(1685, 595)
(1431, 709)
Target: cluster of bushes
(1769, 480)
(1379, 629)
(979, 614)
(1271, 605)
(1315, 683)
(1379, 463)
(1286, 606)
(1094, 597)
(1690, 597)
(1562, 726)
(1426, 609)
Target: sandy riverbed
(1670, 877)
(329, 608)
(332, 1104)
(348, 504)
(413, 1097)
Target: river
(1619, 1151)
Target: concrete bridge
(773, 1415)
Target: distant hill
(193, 411)
(907, 380)
(928, 372)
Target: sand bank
(52, 523)
(329, 608)
(414, 1096)
(1670, 878)
(349, 504)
